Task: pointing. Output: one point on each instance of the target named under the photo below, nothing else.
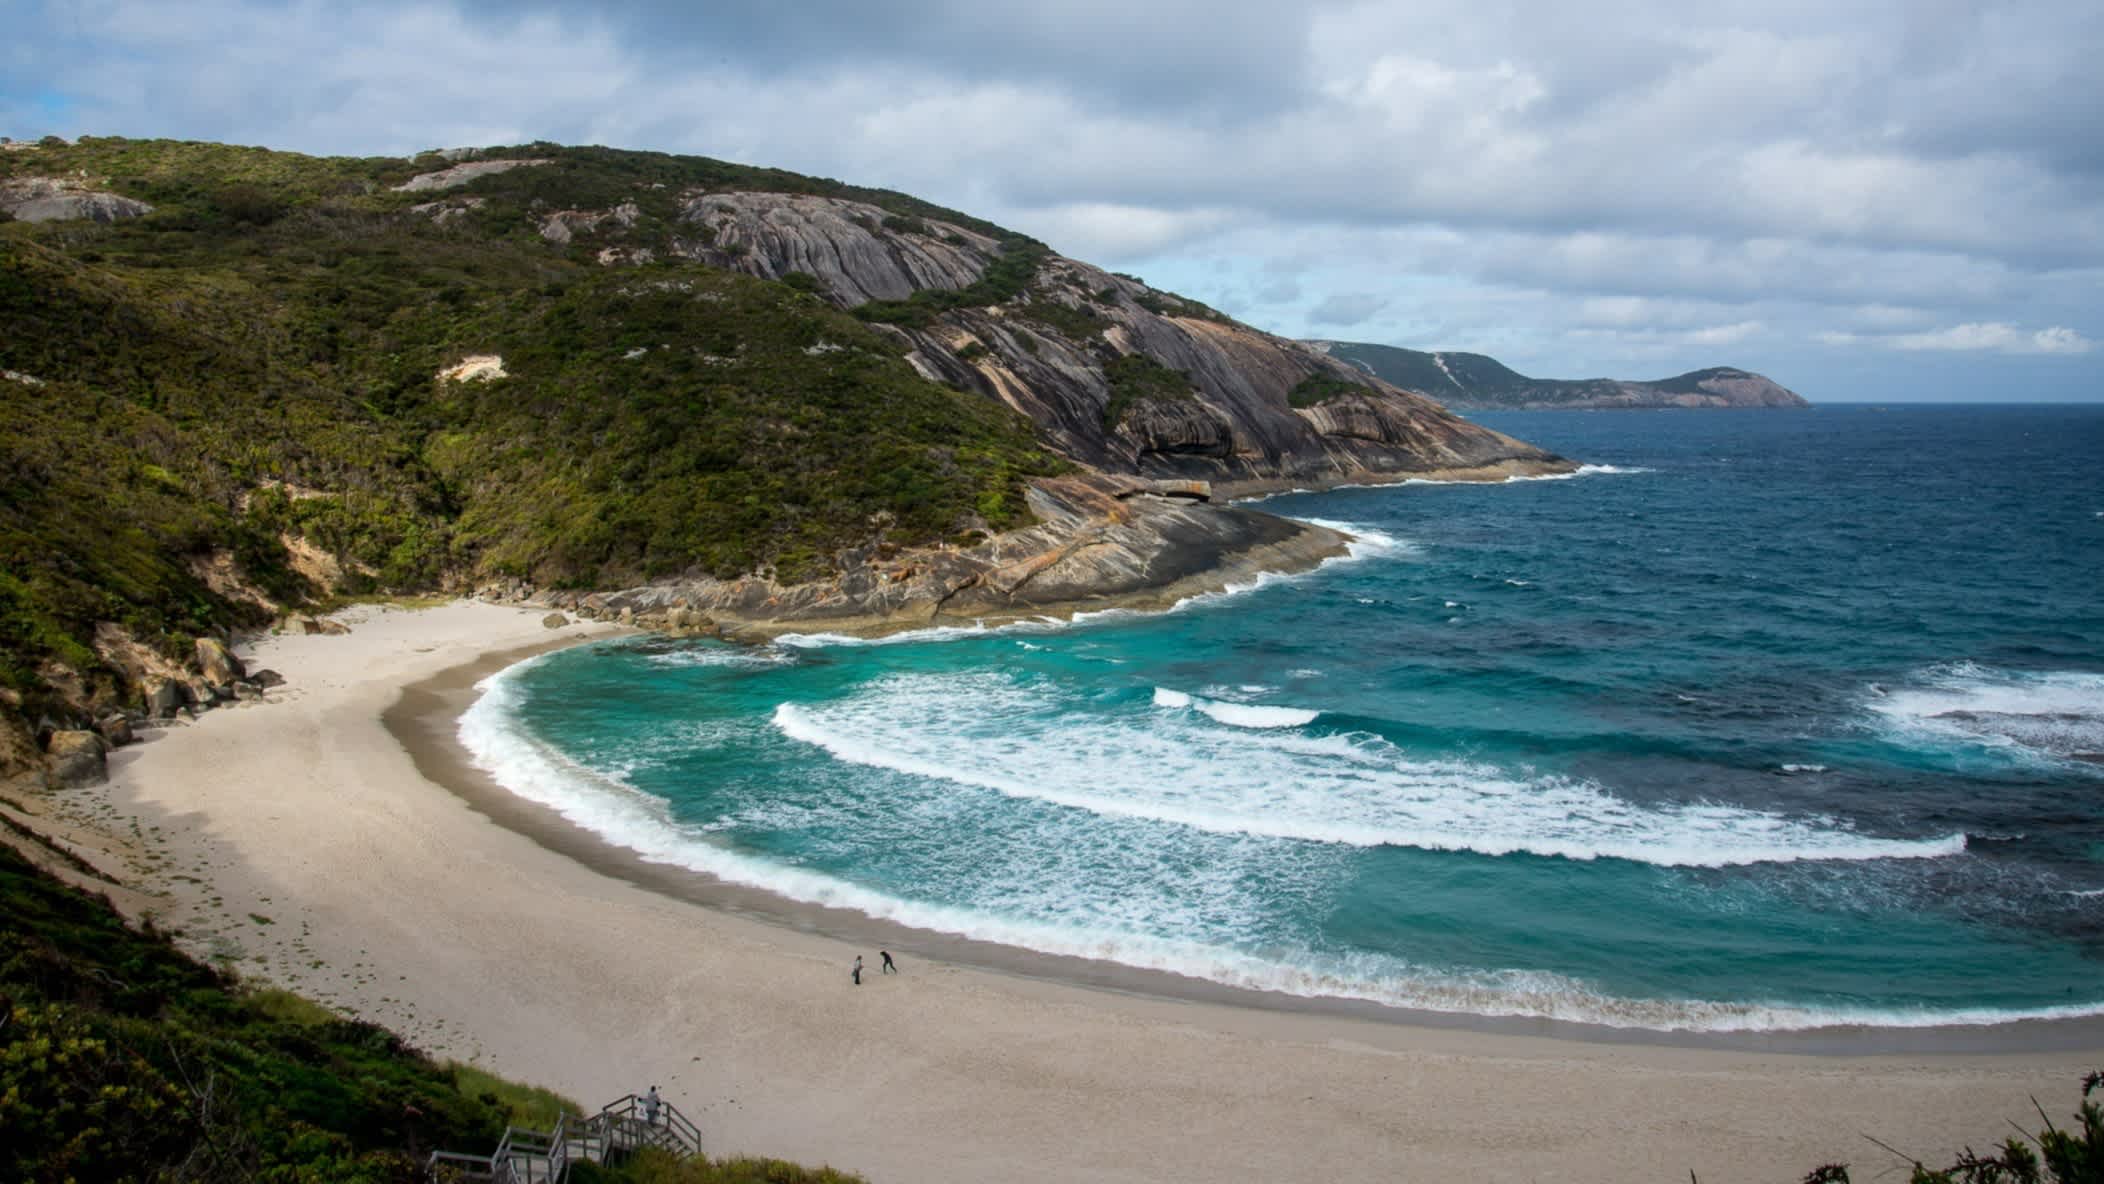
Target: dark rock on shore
(1101, 542)
(77, 758)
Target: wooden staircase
(524, 1156)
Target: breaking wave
(1266, 777)
(2054, 715)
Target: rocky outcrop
(857, 253)
(77, 758)
(461, 174)
(1100, 542)
(217, 664)
(57, 199)
(474, 368)
(448, 211)
(564, 225)
(1047, 346)
(1473, 382)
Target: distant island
(1475, 382)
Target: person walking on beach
(856, 973)
(650, 1107)
(890, 967)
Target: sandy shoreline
(301, 839)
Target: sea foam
(2055, 715)
(1267, 776)
(499, 743)
(1239, 715)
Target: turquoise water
(1768, 720)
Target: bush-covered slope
(233, 402)
(121, 1059)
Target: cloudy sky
(1866, 201)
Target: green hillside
(1476, 382)
(254, 364)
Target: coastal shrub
(656, 1167)
(1321, 387)
(2049, 1155)
(1135, 378)
(1079, 324)
(1008, 275)
(528, 1106)
(120, 1058)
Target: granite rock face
(1048, 350)
(54, 199)
(461, 174)
(844, 245)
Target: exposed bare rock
(845, 245)
(57, 199)
(166, 699)
(18, 376)
(449, 210)
(563, 225)
(116, 730)
(136, 663)
(1178, 427)
(474, 368)
(1047, 352)
(1101, 542)
(19, 754)
(554, 621)
(77, 758)
(461, 174)
(218, 665)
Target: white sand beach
(299, 836)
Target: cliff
(1116, 374)
(1474, 382)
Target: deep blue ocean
(1767, 720)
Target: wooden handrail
(526, 1156)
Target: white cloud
(1973, 337)
(1596, 185)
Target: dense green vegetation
(123, 1060)
(1078, 323)
(120, 1059)
(256, 361)
(1136, 379)
(1006, 278)
(1321, 387)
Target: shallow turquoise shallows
(1766, 720)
